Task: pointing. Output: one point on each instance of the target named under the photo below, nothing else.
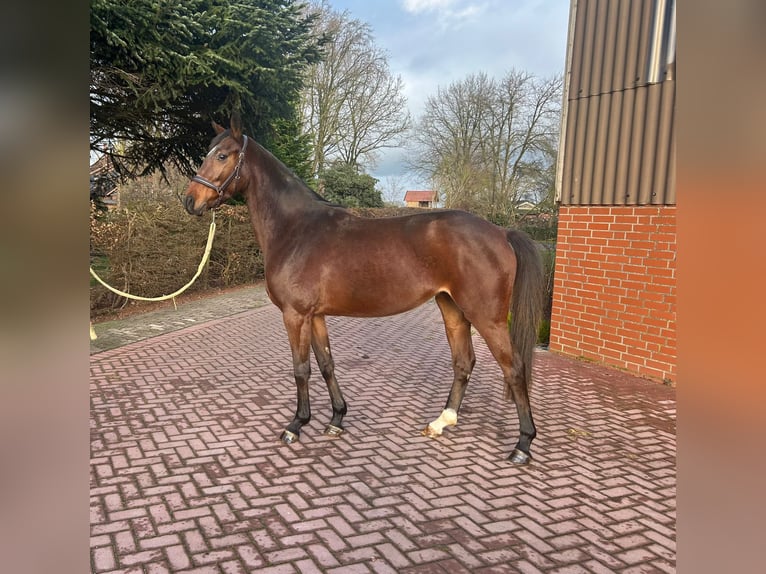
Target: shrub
(153, 248)
(544, 332)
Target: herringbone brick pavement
(188, 475)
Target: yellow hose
(173, 295)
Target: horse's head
(218, 178)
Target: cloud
(416, 6)
(447, 11)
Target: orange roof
(413, 195)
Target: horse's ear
(235, 125)
(218, 128)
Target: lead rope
(173, 295)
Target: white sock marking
(448, 418)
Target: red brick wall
(614, 297)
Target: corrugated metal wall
(617, 143)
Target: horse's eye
(222, 156)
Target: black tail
(527, 301)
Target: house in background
(524, 206)
(614, 294)
(103, 183)
(424, 199)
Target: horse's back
(434, 246)
(428, 230)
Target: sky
(432, 43)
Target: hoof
(519, 457)
(289, 437)
(430, 432)
(332, 430)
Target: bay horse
(321, 260)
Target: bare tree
(352, 106)
(450, 140)
(393, 190)
(487, 144)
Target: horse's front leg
(299, 333)
(320, 342)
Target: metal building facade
(617, 136)
(614, 292)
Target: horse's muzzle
(189, 205)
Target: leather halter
(232, 177)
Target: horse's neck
(276, 204)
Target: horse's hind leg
(320, 342)
(499, 342)
(463, 359)
(299, 333)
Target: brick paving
(113, 334)
(188, 475)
